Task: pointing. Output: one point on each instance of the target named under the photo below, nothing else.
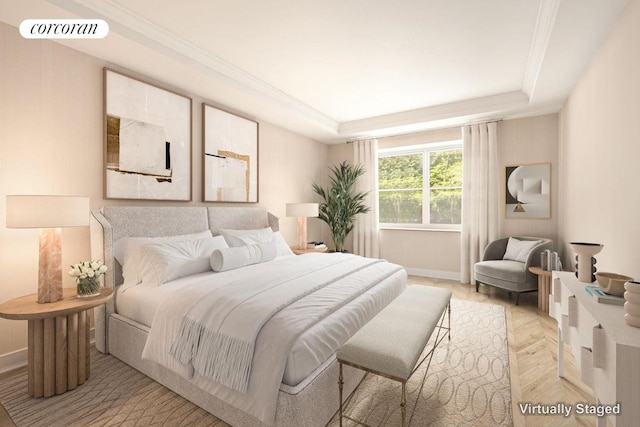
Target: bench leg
(340, 385)
(449, 320)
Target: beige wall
(522, 141)
(600, 148)
(51, 143)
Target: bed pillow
(240, 256)
(519, 250)
(163, 262)
(126, 251)
(237, 238)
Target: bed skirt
(312, 403)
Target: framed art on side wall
(230, 157)
(528, 191)
(148, 141)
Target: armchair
(510, 275)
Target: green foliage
(340, 204)
(400, 179)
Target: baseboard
(13, 360)
(19, 358)
(436, 274)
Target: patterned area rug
(467, 384)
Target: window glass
(421, 186)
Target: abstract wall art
(528, 191)
(230, 157)
(148, 141)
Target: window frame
(425, 150)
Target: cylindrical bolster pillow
(230, 258)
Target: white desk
(606, 349)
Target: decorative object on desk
(49, 214)
(148, 141)
(586, 263)
(87, 276)
(603, 297)
(230, 156)
(550, 261)
(612, 283)
(341, 203)
(632, 304)
(528, 191)
(302, 211)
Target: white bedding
(311, 349)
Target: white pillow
(166, 261)
(126, 251)
(237, 238)
(240, 256)
(518, 250)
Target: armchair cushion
(504, 270)
(518, 250)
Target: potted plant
(340, 203)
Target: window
(421, 186)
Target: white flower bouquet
(87, 276)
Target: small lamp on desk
(302, 211)
(49, 214)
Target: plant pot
(89, 287)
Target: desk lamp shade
(302, 211)
(49, 214)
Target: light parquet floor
(532, 337)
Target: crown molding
(547, 14)
(452, 112)
(147, 33)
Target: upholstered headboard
(110, 224)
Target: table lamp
(49, 214)
(302, 211)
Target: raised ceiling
(342, 69)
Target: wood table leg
(72, 351)
(49, 374)
(61, 354)
(30, 361)
(82, 347)
(38, 358)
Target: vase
(632, 303)
(586, 266)
(89, 287)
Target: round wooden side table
(58, 347)
(544, 287)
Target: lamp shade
(47, 211)
(302, 209)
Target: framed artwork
(528, 191)
(230, 157)
(148, 140)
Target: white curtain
(365, 231)
(480, 203)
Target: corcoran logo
(64, 28)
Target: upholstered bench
(392, 342)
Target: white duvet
(277, 337)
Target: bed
(140, 320)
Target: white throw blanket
(226, 322)
(251, 306)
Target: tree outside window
(421, 186)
